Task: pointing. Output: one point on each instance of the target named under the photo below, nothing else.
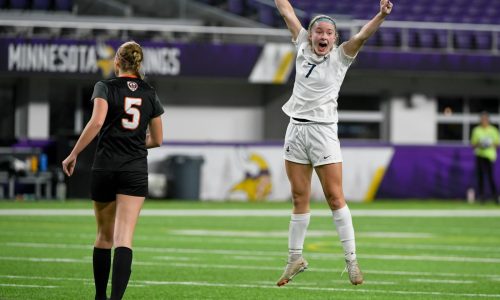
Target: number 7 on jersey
(131, 109)
(311, 69)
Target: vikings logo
(105, 56)
(256, 184)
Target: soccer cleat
(355, 275)
(292, 269)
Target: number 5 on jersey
(134, 113)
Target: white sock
(343, 222)
(297, 234)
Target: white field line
(46, 278)
(425, 258)
(352, 290)
(442, 281)
(260, 268)
(176, 258)
(268, 285)
(268, 236)
(89, 280)
(264, 212)
(265, 239)
(428, 247)
(27, 285)
(160, 238)
(284, 234)
(44, 259)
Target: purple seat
(266, 14)
(41, 4)
(426, 38)
(236, 6)
(483, 40)
(344, 35)
(451, 18)
(18, 4)
(431, 18)
(66, 5)
(463, 40)
(389, 37)
(413, 38)
(341, 7)
(441, 38)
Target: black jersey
(121, 144)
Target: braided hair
(129, 57)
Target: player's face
(322, 37)
(485, 120)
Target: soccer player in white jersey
(311, 140)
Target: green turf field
(241, 255)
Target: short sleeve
(474, 137)
(100, 91)
(344, 58)
(497, 135)
(301, 38)
(157, 107)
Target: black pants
(484, 167)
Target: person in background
(485, 140)
(311, 141)
(125, 107)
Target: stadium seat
(63, 5)
(483, 40)
(41, 4)
(463, 40)
(389, 37)
(236, 6)
(441, 38)
(426, 39)
(344, 35)
(18, 4)
(266, 14)
(413, 38)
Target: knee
(104, 239)
(335, 200)
(300, 196)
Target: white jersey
(317, 82)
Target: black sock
(101, 261)
(122, 263)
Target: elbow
(97, 124)
(155, 143)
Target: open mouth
(322, 46)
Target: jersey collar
(313, 57)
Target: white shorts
(312, 143)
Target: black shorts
(104, 185)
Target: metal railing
(180, 29)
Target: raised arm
(355, 43)
(291, 20)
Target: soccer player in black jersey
(124, 108)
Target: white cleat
(291, 270)
(355, 275)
